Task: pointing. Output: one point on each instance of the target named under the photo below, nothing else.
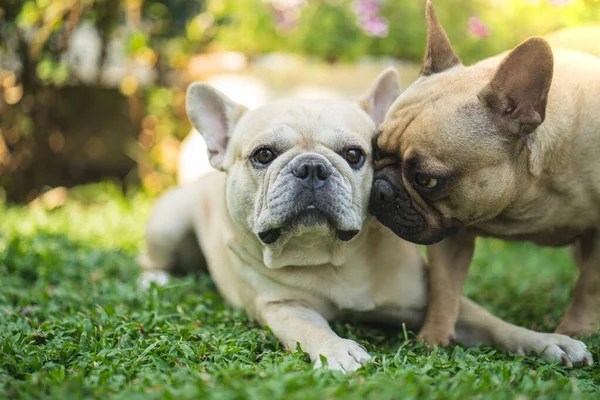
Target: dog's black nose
(383, 192)
(313, 174)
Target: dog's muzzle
(392, 205)
(309, 195)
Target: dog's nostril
(386, 196)
(322, 172)
(301, 171)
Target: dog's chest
(361, 287)
(354, 295)
(348, 288)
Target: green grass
(73, 325)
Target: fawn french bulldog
(507, 148)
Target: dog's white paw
(342, 355)
(555, 347)
(158, 277)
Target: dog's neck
(548, 147)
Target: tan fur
(522, 164)
(297, 286)
(585, 39)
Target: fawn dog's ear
(439, 55)
(518, 91)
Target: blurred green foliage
(164, 36)
(328, 29)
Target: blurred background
(92, 90)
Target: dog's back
(585, 39)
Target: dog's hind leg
(583, 315)
(171, 244)
(476, 325)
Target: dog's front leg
(583, 315)
(293, 323)
(476, 325)
(448, 262)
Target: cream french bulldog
(285, 233)
(509, 148)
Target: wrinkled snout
(309, 191)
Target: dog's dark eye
(426, 181)
(355, 157)
(263, 156)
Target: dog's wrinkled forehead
(303, 123)
(435, 112)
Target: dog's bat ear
(518, 91)
(439, 55)
(380, 96)
(214, 115)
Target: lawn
(73, 325)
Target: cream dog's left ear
(214, 115)
(381, 95)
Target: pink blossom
(375, 26)
(286, 12)
(478, 28)
(369, 19)
(367, 7)
(285, 20)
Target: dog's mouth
(308, 217)
(270, 236)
